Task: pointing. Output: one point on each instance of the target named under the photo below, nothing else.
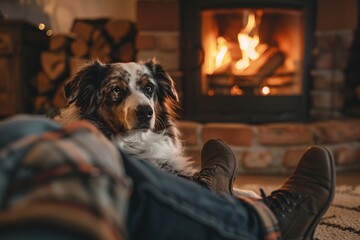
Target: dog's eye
(116, 90)
(149, 88)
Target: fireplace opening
(246, 60)
(252, 51)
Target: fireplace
(246, 60)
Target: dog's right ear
(83, 87)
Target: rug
(341, 221)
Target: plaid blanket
(72, 178)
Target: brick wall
(158, 26)
(277, 147)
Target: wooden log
(263, 66)
(79, 48)
(54, 64)
(126, 52)
(117, 29)
(274, 61)
(43, 83)
(75, 64)
(100, 48)
(60, 42)
(59, 101)
(83, 29)
(100, 43)
(41, 104)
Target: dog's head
(124, 96)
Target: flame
(248, 44)
(222, 50)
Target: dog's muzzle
(144, 114)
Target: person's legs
(164, 206)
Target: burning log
(264, 65)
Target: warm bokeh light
(49, 32)
(236, 91)
(265, 90)
(41, 26)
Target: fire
(249, 44)
(222, 50)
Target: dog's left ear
(167, 88)
(83, 87)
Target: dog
(134, 104)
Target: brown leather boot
(304, 198)
(218, 167)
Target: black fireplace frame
(248, 109)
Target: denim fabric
(164, 206)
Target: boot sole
(310, 232)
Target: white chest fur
(157, 148)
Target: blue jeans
(161, 206)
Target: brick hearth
(277, 147)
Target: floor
(349, 177)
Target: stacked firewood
(106, 40)
(331, 57)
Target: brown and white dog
(133, 104)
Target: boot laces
(281, 202)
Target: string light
(49, 32)
(41, 26)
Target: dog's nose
(144, 113)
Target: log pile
(108, 40)
(331, 56)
